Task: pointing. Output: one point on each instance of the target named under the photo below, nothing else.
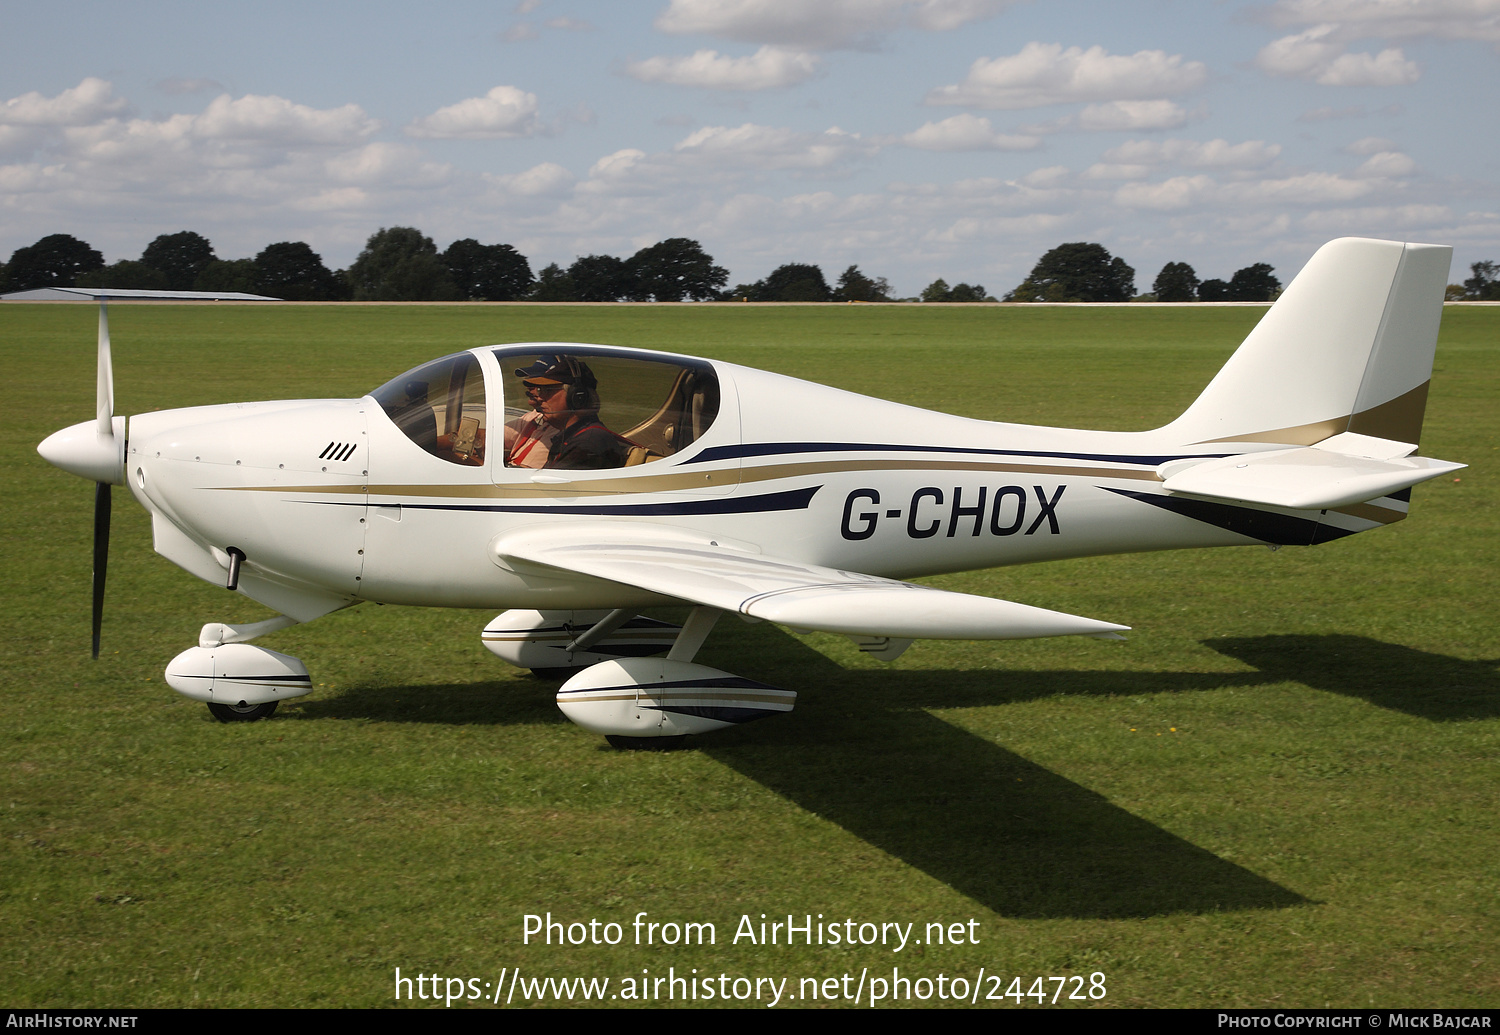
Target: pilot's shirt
(588, 445)
(533, 443)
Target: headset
(582, 387)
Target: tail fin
(1347, 347)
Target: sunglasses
(543, 390)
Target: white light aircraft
(573, 484)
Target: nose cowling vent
(338, 451)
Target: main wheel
(243, 712)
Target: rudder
(1347, 347)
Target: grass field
(1281, 791)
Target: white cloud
(20, 180)
(1212, 154)
(966, 133)
(1388, 68)
(123, 144)
(1116, 171)
(19, 140)
(1201, 190)
(1013, 229)
(1306, 189)
(710, 164)
(278, 120)
(1119, 116)
(1130, 115)
(1051, 176)
(520, 32)
(548, 178)
(248, 131)
(384, 164)
(1396, 19)
(796, 23)
(616, 164)
(1362, 219)
(1387, 165)
(1044, 74)
(1369, 146)
(767, 147)
(946, 15)
(1176, 193)
(821, 25)
(80, 105)
(239, 167)
(256, 170)
(335, 200)
(237, 129)
(1318, 54)
(1325, 114)
(502, 113)
(768, 68)
(1300, 55)
(177, 85)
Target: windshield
(440, 407)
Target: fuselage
(400, 496)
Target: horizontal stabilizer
(734, 577)
(1336, 472)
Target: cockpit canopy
(440, 406)
(564, 407)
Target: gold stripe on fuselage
(1372, 512)
(687, 480)
(1398, 419)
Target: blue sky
(916, 138)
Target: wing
(738, 577)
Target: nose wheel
(243, 712)
(238, 681)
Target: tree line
(402, 264)
(1483, 286)
(1085, 272)
(174, 262)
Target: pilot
(528, 439)
(564, 394)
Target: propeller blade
(105, 411)
(102, 501)
(106, 391)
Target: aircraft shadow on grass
(1388, 675)
(864, 753)
(991, 824)
(510, 702)
(1016, 837)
